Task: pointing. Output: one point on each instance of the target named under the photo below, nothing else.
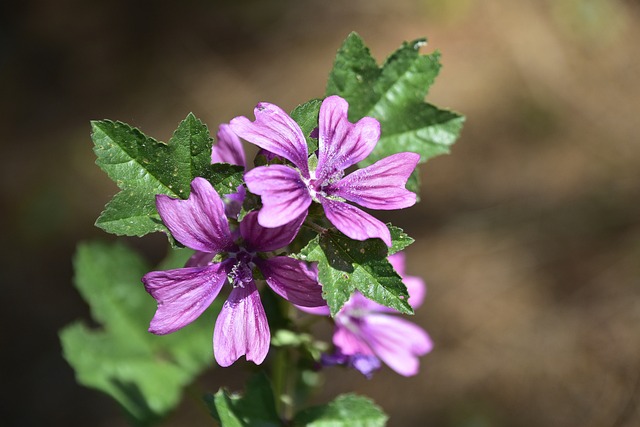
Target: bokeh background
(528, 234)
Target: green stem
(278, 373)
(283, 377)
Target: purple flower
(287, 191)
(183, 294)
(367, 331)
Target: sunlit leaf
(347, 410)
(143, 167)
(143, 372)
(346, 265)
(394, 94)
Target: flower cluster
(240, 248)
(366, 332)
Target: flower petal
(415, 285)
(350, 343)
(396, 341)
(241, 328)
(333, 359)
(380, 185)
(199, 222)
(284, 195)
(342, 143)
(293, 280)
(318, 311)
(229, 148)
(182, 294)
(354, 222)
(397, 261)
(367, 365)
(417, 290)
(199, 259)
(262, 239)
(233, 202)
(274, 131)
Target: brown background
(528, 235)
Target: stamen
(241, 273)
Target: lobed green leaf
(394, 94)
(346, 265)
(399, 239)
(347, 410)
(144, 373)
(143, 167)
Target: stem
(315, 227)
(278, 374)
(283, 377)
(283, 374)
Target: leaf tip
(191, 117)
(418, 43)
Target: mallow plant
(260, 251)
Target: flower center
(318, 186)
(241, 273)
(244, 256)
(315, 186)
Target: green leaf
(257, 408)
(346, 265)
(143, 167)
(353, 77)
(128, 214)
(144, 373)
(394, 94)
(306, 115)
(221, 408)
(347, 410)
(399, 239)
(225, 178)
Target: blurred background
(528, 234)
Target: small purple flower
(183, 294)
(367, 331)
(287, 192)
